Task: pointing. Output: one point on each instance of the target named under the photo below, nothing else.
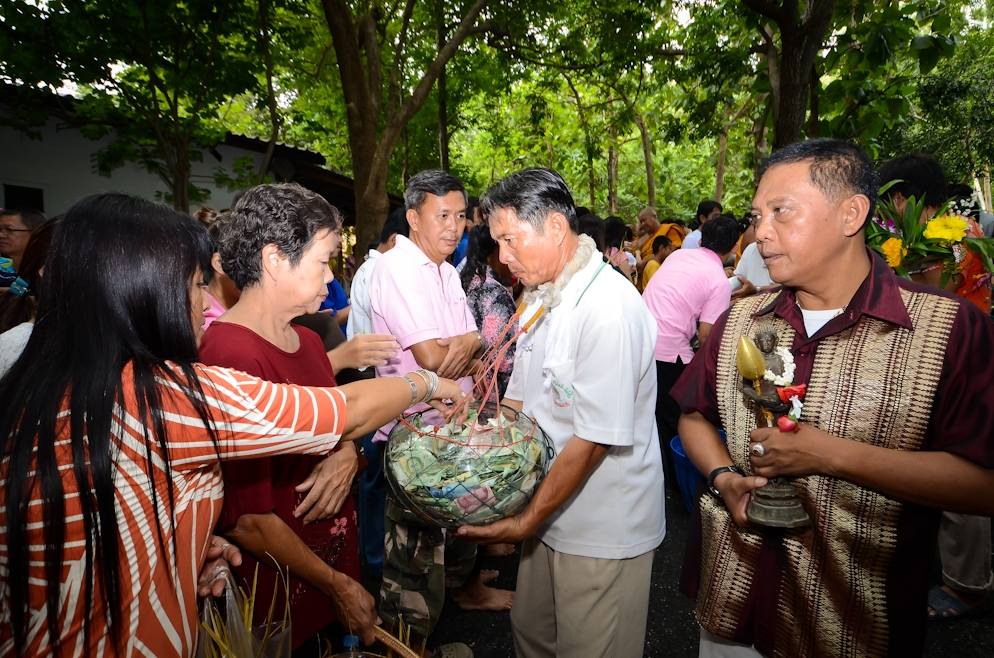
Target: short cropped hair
(837, 168)
(592, 225)
(659, 242)
(532, 194)
(30, 217)
(720, 234)
(919, 175)
(705, 208)
(431, 181)
(396, 224)
(285, 214)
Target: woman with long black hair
(111, 437)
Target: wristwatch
(718, 471)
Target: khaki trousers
(965, 552)
(579, 607)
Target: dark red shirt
(962, 423)
(260, 486)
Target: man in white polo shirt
(585, 372)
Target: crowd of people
(183, 396)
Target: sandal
(944, 605)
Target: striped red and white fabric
(254, 418)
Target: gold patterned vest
(874, 382)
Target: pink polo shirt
(689, 287)
(414, 300)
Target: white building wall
(61, 164)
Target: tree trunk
(791, 69)
(443, 109)
(814, 115)
(375, 131)
(793, 94)
(181, 176)
(760, 147)
(719, 167)
(274, 114)
(588, 141)
(374, 205)
(650, 177)
(982, 182)
(612, 173)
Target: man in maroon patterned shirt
(897, 424)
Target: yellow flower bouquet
(910, 245)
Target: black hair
(919, 175)
(583, 210)
(396, 224)
(116, 295)
(471, 205)
(659, 242)
(481, 247)
(592, 225)
(837, 167)
(705, 208)
(214, 233)
(30, 217)
(17, 308)
(430, 181)
(286, 215)
(532, 194)
(615, 232)
(720, 234)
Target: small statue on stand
(767, 384)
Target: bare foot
(475, 595)
(499, 550)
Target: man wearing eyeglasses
(15, 229)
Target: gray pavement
(672, 631)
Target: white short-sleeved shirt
(603, 391)
(693, 240)
(360, 317)
(752, 267)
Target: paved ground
(672, 631)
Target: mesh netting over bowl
(473, 472)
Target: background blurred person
(18, 303)
(221, 293)
(485, 280)
(16, 226)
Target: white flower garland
(787, 378)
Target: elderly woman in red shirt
(293, 511)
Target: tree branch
(417, 98)
(769, 9)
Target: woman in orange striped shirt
(111, 438)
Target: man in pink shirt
(685, 296)
(416, 296)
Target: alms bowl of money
(478, 467)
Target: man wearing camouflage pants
(415, 295)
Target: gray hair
(532, 194)
(431, 181)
